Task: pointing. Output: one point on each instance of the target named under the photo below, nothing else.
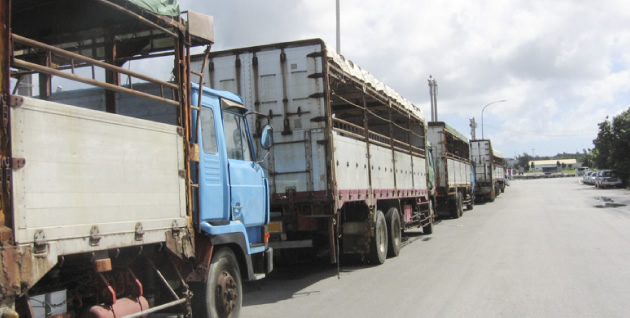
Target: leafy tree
(612, 145)
(523, 161)
(604, 143)
(587, 160)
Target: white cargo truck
(349, 166)
(453, 174)
(489, 168)
(106, 215)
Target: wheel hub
(226, 292)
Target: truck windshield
(236, 140)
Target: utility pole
(433, 94)
(473, 128)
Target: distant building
(551, 166)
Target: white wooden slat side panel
(419, 174)
(459, 173)
(351, 169)
(382, 168)
(86, 168)
(404, 177)
(318, 162)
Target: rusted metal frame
(347, 101)
(400, 145)
(45, 81)
(330, 157)
(410, 150)
(256, 73)
(373, 137)
(197, 122)
(286, 126)
(134, 58)
(351, 134)
(200, 95)
(182, 62)
(347, 123)
(6, 53)
(392, 140)
(85, 80)
(139, 17)
(370, 198)
(111, 77)
(456, 157)
(418, 151)
(93, 62)
(376, 116)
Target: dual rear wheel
(387, 236)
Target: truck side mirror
(266, 137)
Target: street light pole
(338, 29)
(484, 108)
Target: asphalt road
(544, 248)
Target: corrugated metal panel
(283, 89)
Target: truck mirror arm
(263, 159)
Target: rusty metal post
(45, 80)
(6, 217)
(111, 77)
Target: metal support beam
(6, 211)
(89, 81)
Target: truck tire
(428, 229)
(452, 207)
(456, 209)
(222, 296)
(460, 204)
(471, 205)
(378, 243)
(491, 195)
(395, 232)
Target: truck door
(248, 197)
(212, 168)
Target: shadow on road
(291, 279)
(287, 281)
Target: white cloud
(562, 66)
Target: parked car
(608, 178)
(588, 177)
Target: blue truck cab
(233, 192)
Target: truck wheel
(491, 195)
(456, 206)
(395, 233)
(428, 229)
(378, 244)
(223, 293)
(471, 205)
(452, 207)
